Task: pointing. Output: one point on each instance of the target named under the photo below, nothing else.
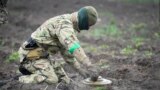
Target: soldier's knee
(52, 80)
(33, 78)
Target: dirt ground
(138, 71)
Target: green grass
(89, 48)
(108, 30)
(103, 46)
(92, 48)
(103, 65)
(148, 54)
(14, 56)
(100, 88)
(138, 26)
(157, 34)
(138, 41)
(129, 50)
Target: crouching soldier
(58, 34)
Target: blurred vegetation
(103, 46)
(110, 29)
(148, 54)
(137, 29)
(94, 49)
(101, 88)
(141, 1)
(89, 48)
(103, 64)
(138, 41)
(157, 35)
(129, 50)
(128, 40)
(14, 56)
(138, 26)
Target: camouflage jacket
(58, 32)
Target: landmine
(100, 82)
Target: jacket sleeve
(68, 39)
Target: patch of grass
(100, 88)
(148, 54)
(157, 35)
(89, 48)
(92, 48)
(104, 46)
(14, 56)
(139, 26)
(103, 64)
(110, 30)
(138, 41)
(129, 50)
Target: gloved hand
(94, 72)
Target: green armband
(74, 47)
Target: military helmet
(87, 16)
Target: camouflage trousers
(43, 70)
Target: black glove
(94, 72)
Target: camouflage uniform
(58, 34)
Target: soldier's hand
(94, 72)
